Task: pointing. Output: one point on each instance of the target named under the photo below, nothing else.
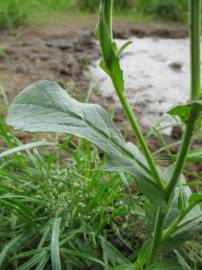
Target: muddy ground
(63, 54)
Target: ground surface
(61, 51)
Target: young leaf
(124, 47)
(183, 111)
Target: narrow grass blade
(82, 255)
(39, 257)
(43, 263)
(112, 253)
(7, 248)
(55, 245)
(25, 147)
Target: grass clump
(62, 193)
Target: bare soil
(61, 52)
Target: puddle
(156, 74)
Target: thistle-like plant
(173, 211)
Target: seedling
(174, 211)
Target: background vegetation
(16, 12)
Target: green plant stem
(195, 32)
(108, 6)
(160, 219)
(174, 225)
(140, 138)
(183, 153)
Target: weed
(173, 211)
(61, 196)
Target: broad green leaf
(46, 107)
(55, 245)
(24, 147)
(183, 111)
